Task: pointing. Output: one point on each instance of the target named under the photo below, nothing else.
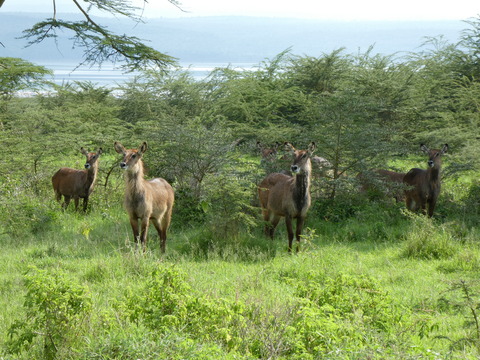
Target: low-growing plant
(228, 205)
(463, 297)
(348, 314)
(167, 304)
(55, 308)
(427, 239)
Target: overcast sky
(318, 9)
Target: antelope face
(299, 162)
(131, 157)
(301, 158)
(92, 157)
(434, 155)
(268, 153)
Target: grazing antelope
(424, 185)
(145, 200)
(288, 196)
(76, 184)
(392, 183)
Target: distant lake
(108, 76)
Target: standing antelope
(145, 200)
(77, 183)
(288, 196)
(386, 181)
(424, 185)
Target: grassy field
(383, 283)
(371, 281)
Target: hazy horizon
(222, 40)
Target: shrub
(347, 314)
(166, 304)
(55, 307)
(428, 239)
(27, 212)
(463, 297)
(227, 206)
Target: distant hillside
(236, 39)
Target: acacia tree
(100, 44)
(17, 75)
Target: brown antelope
(145, 200)
(288, 196)
(391, 183)
(424, 185)
(268, 153)
(76, 184)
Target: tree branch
(100, 44)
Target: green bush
(346, 315)
(227, 205)
(166, 304)
(428, 239)
(55, 308)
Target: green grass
(415, 277)
(371, 281)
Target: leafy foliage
(55, 309)
(18, 74)
(98, 42)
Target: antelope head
(301, 158)
(268, 153)
(131, 157)
(91, 157)
(434, 155)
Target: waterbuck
(76, 184)
(145, 200)
(424, 185)
(388, 182)
(288, 196)
(268, 153)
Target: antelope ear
(142, 148)
(445, 148)
(312, 147)
(99, 151)
(83, 151)
(119, 148)
(289, 147)
(424, 148)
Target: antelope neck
(433, 173)
(135, 176)
(91, 174)
(300, 193)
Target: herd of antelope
(282, 194)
